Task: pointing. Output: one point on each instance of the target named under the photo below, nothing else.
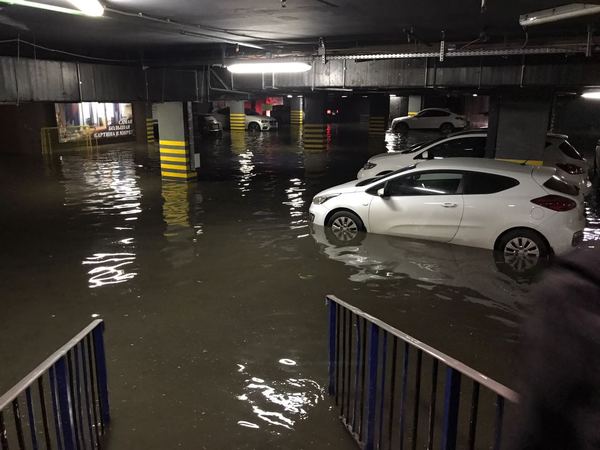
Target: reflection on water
(109, 268)
(105, 184)
(280, 403)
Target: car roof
(435, 109)
(476, 164)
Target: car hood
(400, 119)
(342, 188)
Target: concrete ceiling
(339, 21)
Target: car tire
(401, 128)
(446, 128)
(345, 228)
(253, 126)
(522, 250)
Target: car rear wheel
(253, 126)
(401, 128)
(447, 128)
(346, 228)
(522, 250)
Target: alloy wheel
(344, 228)
(522, 254)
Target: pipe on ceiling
(571, 11)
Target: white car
(256, 122)
(522, 211)
(429, 119)
(558, 153)
(253, 120)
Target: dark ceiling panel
(353, 21)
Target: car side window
(471, 147)
(477, 183)
(425, 183)
(425, 114)
(439, 114)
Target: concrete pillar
(415, 104)
(379, 113)
(237, 116)
(398, 106)
(296, 111)
(518, 125)
(315, 128)
(176, 141)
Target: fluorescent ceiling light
(592, 95)
(570, 11)
(89, 7)
(269, 67)
(45, 6)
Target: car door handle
(449, 205)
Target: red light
(328, 112)
(555, 203)
(570, 168)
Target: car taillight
(570, 168)
(555, 203)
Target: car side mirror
(383, 192)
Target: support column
(415, 104)
(315, 128)
(379, 113)
(176, 141)
(296, 112)
(150, 122)
(237, 116)
(518, 124)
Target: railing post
(332, 337)
(65, 404)
(451, 403)
(102, 378)
(372, 400)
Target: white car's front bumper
(317, 214)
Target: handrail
(30, 378)
(480, 378)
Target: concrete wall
(20, 126)
(580, 119)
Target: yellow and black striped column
(314, 130)
(175, 161)
(379, 112)
(237, 116)
(377, 125)
(315, 136)
(150, 130)
(296, 112)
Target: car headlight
(369, 165)
(264, 121)
(320, 199)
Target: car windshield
(381, 177)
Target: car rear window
(477, 183)
(570, 151)
(558, 184)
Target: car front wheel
(522, 250)
(254, 126)
(401, 128)
(346, 228)
(447, 128)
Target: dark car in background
(209, 125)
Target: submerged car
(522, 211)
(558, 153)
(429, 119)
(209, 125)
(253, 120)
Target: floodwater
(213, 292)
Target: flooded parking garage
(213, 292)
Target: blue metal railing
(377, 375)
(63, 403)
